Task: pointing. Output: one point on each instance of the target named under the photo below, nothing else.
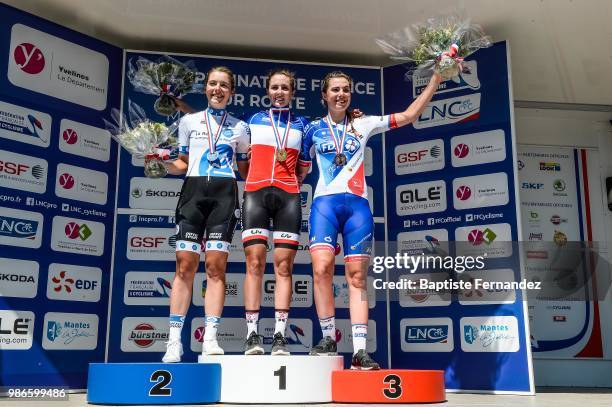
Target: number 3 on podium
(394, 390)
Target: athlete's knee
(323, 271)
(186, 268)
(255, 265)
(283, 268)
(356, 278)
(214, 271)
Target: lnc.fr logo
(29, 58)
(74, 231)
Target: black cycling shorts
(271, 203)
(207, 204)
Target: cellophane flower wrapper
(440, 44)
(144, 138)
(167, 78)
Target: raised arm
(412, 112)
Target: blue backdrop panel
(466, 131)
(129, 316)
(57, 207)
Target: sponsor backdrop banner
(451, 178)
(57, 199)
(145, 254)
(556, 217)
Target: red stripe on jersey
(263, 237)
(286, 241)
(265, 170)
(392, 122)
(357, 182)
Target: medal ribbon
(212, 146)
(281, 144)
(339, 145)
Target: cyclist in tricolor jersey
(207, 208)
(340, 205)
(272, 195)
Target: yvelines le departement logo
(74, 231)
(463, 192)
(29, 58)
(66, 181)
(70, 136)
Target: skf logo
(74, 231)
(66, 181)
(148, 241)
(70, 136)
(29, 58)
(532, 185)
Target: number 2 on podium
(161, 378)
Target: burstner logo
(29, 58)
(426, 334)
(19, 228)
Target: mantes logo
(29, 58)
(70, 136)
(470, 333)
(18, 228)
(74, 230)
(426, 334)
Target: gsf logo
(148, 242)
(299, 287)
(13, 168)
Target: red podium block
(388, 386)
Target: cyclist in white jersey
(208, 206)
(340, 205)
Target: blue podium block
(154, 383)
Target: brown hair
(325, 86)
(223, 69)
(281, 71)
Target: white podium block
(276, 379)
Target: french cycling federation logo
(295, 335)
(476, 237)
(62, 282)
(35, 124)
(70, 136)
(29, 58)
(66, 181)
(75, 231)
(165, 286)
(463, 193)
(461, 150)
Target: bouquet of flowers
(440, 44)
(145, 139)
(167, 78)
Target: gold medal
(281, 155)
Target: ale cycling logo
(29, 58)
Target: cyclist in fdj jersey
(208, 207)
(272, 194)
(340, 205)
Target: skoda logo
(136, 193)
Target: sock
(360, 336)
(281, 316)
(211, 323)
(252, 318)
(328, 326)
(176, 326)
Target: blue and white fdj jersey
(318, 141)
(194, 139)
